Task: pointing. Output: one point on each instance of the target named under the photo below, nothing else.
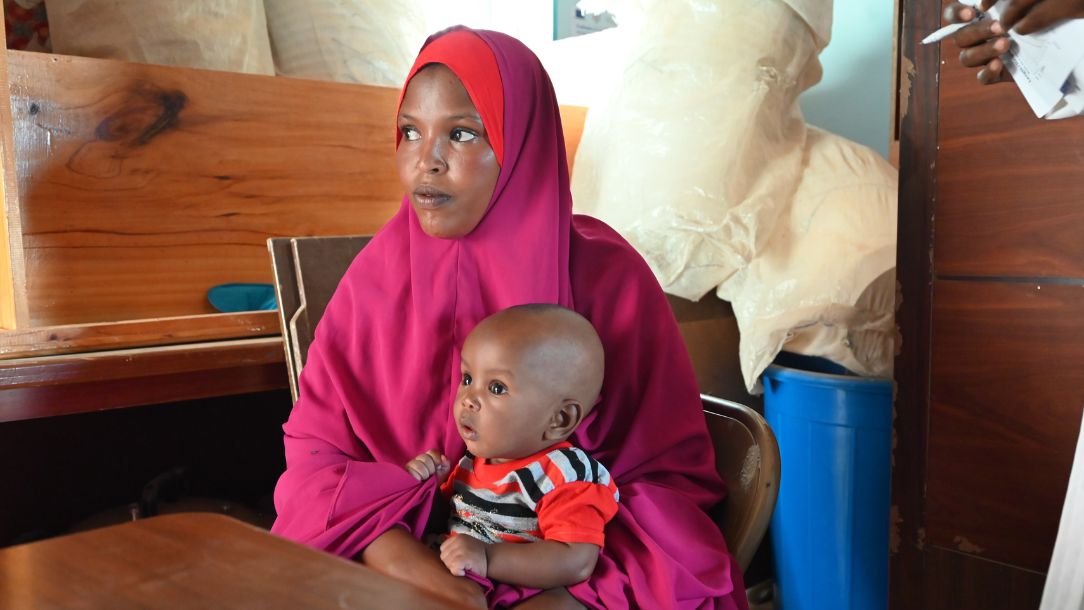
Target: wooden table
(192, 560)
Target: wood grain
(1009, 186)
(12, 272)
(193, 560)
(61, 385)
(1007, 391)
(917, 107)
(958, 581)
(142, 186)
(76, 338)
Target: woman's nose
(432, 158)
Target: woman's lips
(429, 197)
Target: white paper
(1047, 66)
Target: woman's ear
(564, 421)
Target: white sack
(211, 34)
(702, 160)
(353, 41)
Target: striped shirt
(559, 493)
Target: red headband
(473, 63)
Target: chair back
(307, 272)
(747, 457)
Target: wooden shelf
(96, 381)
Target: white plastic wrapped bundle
(702, 160)
(212, 34)
(355, 41)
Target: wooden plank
(196, 560)
(142, 186)
(917, 109)
(52, 340)
(12, 271)
(958, 581)
(1008, 184)
(60, 385)
(1007, 389)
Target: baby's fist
(461, 553)
(430, 463)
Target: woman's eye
(466, 379)
(410, 133)
(497, 388)
(462, 135)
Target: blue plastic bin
(830, 527)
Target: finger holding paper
(982, 42)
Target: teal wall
(854, 97)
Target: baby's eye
(466, 379)
(497, 388)
(463, 135)
(410, 133)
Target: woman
(487, 223)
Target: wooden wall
(142, 186)
(991, 375)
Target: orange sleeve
(576, 512)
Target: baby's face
(504, 405)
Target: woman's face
(445, 162)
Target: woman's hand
(430, 463)
(982, 43)
(461, 553)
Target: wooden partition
(991, 373)
(130, 189)
(140, 187)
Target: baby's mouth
(467, 432)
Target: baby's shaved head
(555, 343)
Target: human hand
(461, 553)
(982, 43)
(1029, 16)
(430, 463)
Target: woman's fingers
(978, 33)
(983, 54)
(994, 72)
(1015, 10)
(958, 13)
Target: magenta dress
(381, 375)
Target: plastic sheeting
(356, 41)
(212, 34)
(702, 160)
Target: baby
(530, 374)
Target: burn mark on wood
(143, 112)
(149, 112)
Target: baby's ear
(564, 420)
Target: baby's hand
(430, 463)
(461, 553)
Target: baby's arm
(430, 463)
(542, 565)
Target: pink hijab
(378, 385)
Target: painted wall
(854, 97)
